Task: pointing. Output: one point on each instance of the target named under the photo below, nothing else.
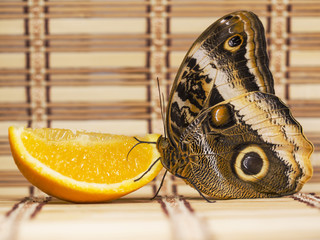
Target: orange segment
(83, 166)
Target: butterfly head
(162, 143)
(168, 154)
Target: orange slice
(83, 166)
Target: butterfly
(227, 134)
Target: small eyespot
(251, 164)
(233, 43)
(221, 116)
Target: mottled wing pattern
(230, 54)
(259, 124)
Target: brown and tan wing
(255, 149)
(228, 59)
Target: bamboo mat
(92, 65)
(178, 214)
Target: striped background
(93, 65)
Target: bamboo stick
(70, 111)
(96, 70)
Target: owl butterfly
(228, 135)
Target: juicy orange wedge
(83, 166)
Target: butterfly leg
(147, 170)
(195, 187)
(162, 180)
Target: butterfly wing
(228, 59)
(249, 146)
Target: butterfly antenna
(162, 107)
(163, 117)
(138, 143)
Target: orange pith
(89, 157)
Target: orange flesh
(92, 158)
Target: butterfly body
(229, 136)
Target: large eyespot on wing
(272, 122)
(251, 164)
